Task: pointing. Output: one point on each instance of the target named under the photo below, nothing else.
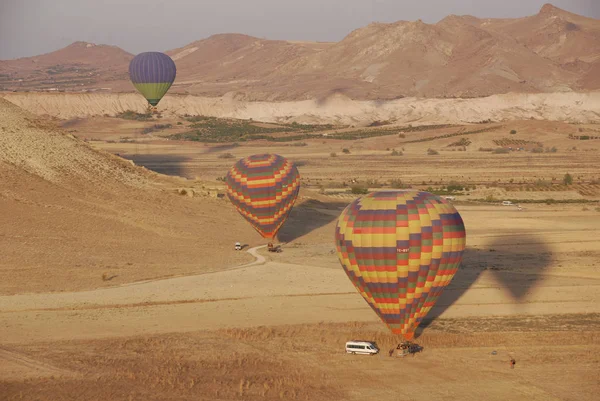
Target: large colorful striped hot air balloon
(400, 249)
(152, 74)
(263, 188)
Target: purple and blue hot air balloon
(152, 74)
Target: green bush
(346, 151)
(359, 190)
(132, 115)
(454, 187)
(432, 152)
(567, 179)
(513, 132)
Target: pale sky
(33, 27)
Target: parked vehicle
(361, 347)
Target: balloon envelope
(152, 74)
(263, 189)
(400, 249)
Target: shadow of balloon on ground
(167, 164)
(220, 148)
(516, 262)
(308, 216)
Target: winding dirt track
(256, 294)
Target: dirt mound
(41, 149)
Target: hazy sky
(33, 27)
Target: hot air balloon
(400, 249)
(152, 74)
(263, 189)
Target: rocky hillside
(460, 56)
(75, 218)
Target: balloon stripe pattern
(152, 74)
(400, 249)
(263, 189)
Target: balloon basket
(406, 348)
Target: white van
(361, 347)
(507, 203)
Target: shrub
(396, 153)
(501, 151)
(462, 142)
(359, 190)
(333, 154)
(567, 179)
(432, 152)
(132, 115)
(537, 150)
(226, 156)
(397, 184)
(454, 186)
(513, 132)
(345, 150)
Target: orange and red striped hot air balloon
(263, 189)
(400, 249)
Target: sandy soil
(167, 310)
(521, 291)
(509, 269)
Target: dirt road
(259, 294)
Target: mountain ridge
(459, 56)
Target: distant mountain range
(460, 56)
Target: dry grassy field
(185, 318)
